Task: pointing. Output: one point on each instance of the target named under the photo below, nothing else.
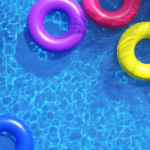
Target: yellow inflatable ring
(125, 51)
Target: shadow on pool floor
(6, 142)
(32, 63)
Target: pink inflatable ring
(111, 20)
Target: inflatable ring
(21, 132)
(125, 51)
(51, 43)
(111, 20)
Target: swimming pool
(77, 100)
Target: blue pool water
(77, 100)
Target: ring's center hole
(7, 141)
(56, 23)
(111, 5)
(142, 51)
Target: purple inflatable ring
(50, 43)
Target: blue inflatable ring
(20, 131)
